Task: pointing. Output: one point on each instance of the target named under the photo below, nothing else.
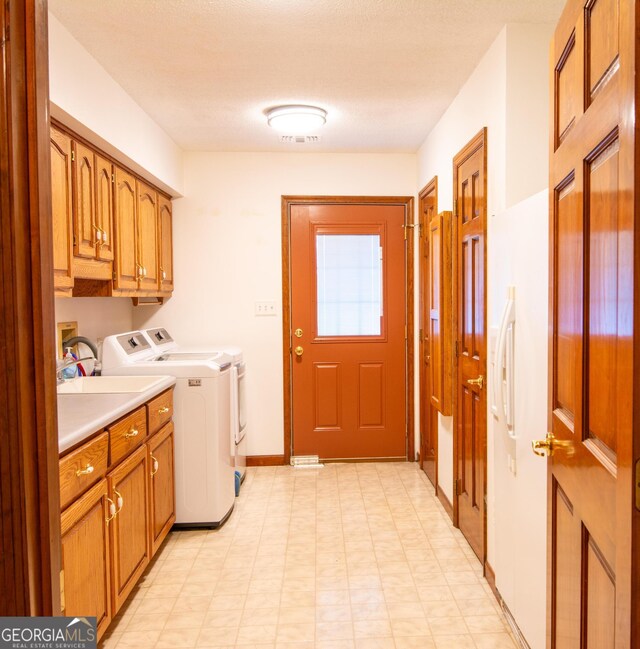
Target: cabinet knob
(132, 433)
(163, 410)
(155, 466)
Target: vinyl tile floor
(349, 556)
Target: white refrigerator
(518, 269)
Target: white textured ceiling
(205, 70)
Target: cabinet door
(129, 530)
(165, 248)
(85, 232)
(61, 209)
(126, 261)
(85, 557)
(104, 208)
(147, 212)
(162, 488)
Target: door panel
(165, 223)
(348, 303)
(104, 207)
(471, 426)
(592, 598)
(84, 221)
(147, 215)
(161, 485)
(61, 209)
(430, 358)
(125, 231)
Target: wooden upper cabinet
(104, 208)
(85, 557)
(165, 247)
(125, 231)
(440, 312)
(129, 530)
(61, 208)
(85, 232)
(162, 486)
(147, 215)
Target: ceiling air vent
(300, 139)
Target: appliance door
(241, 403)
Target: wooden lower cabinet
(129, 530)
(162, 496)
(112, 529)
(86, 558)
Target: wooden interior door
(85, 557)
(165, 224)
(147, 215)
(348, 315)
(61, 209)
(85, 232)
(428, 208)
(126, 261)
(104, 207)
(129, 530)
(593, 589)
(470, 442)
(162, 487)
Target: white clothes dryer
(204, 462)
(164, 342)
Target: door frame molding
(286, 202)
(477, 141)
(424, 281)
(30, 493)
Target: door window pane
(349, 281)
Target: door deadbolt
(298, 333)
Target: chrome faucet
(69, 363)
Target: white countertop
(82, 415)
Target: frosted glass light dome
(296, 119)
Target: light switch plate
(265, 308)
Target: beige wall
(227, 250)
(86, 98)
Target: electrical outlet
(265, 308)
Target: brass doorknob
(549, 445)
(479, 381)
(299, 351)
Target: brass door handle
(163, 410)
(132, 433)
(86, 471)
(112, 510)
(549, 445)
(479, 381)
(155, 466)
(298, 351)
(119, 500)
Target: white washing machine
(164, 342)
(204, 462)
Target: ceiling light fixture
(296, 119)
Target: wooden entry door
(348, 317)
(470, 444)
(593, 589)
(428, 414)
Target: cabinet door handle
(86, 471)
(155, 466)
(140, 273)
(163, 410)
(119, 500)
(112, 510)
(132, 433)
